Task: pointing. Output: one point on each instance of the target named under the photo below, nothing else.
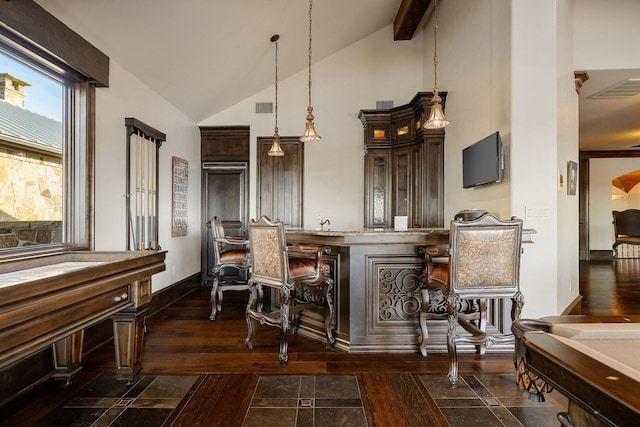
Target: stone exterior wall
(26, 233)
(30, 186)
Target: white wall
(129, 97)
(601, 172)
(606, 34)
(474, 68)
(496, 58)
(375, 68)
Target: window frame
(43, 42)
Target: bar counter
(377, 286)
(377, 289)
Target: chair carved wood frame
(296, 273)
(484, 263)
(229, 252)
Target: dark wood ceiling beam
(410, 14)
(32, 27)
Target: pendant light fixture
(436, 119)
(276, 149)
(310, 134)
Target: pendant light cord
(310, 7)
(435, 48)
(276, 106)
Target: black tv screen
(483, 162)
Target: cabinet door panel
(280, 181)
(402, 182)
(378, 204)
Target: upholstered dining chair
(435, 288)
(484, 263)
(229, 252)
(292, 272)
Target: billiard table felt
(616, 345)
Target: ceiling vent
(625, 88)
(384, 105)
(264, 107)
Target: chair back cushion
(269, 263)
(626, 223)
(217, 230)
(485, 257)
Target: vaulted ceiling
(204, 56)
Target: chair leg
(220, 298)
(330, 319)
(517, 305)
(214, 289)
(250, 307)
(424, 333)
(452, 318)
(482, 323)
(285, 305)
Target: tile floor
(148, 402)
(487, 400)
(306, 401)
(302, 401)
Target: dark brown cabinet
(224, 143)
(404, 165)
(225, 188)
(279, 181)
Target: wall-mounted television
(483, 162)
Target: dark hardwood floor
(203, 374)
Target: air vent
(384, 105)
(625, 88)
(264, 107)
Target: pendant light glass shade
(436, 119)
(310, 134)
(276, 149)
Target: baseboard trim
(601, 255)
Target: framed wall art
(180, 186)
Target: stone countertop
(382, 235)
(369, 231)
(387, 236)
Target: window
(46, 145)
(32, 155)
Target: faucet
(323, 222)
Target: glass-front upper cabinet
(404, 168)
(378, 198)
(401, 181)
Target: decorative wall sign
(180, 185)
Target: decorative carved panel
(398, 293)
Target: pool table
(593, 360)
(49, 299)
